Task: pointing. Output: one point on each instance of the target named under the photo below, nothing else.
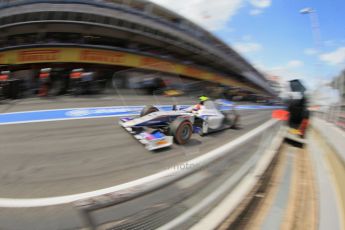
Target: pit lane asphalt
(67, 157)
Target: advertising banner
(107, 57)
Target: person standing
(75, 80)
(44, 79)
(4, 77)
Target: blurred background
(109, 58)
(89, 47)
(52, 48)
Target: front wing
(151, 139)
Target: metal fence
(334, 114)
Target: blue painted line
(67, 114)
(95, 112)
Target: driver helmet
(203, 99)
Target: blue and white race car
(159, 129)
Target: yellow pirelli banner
(107, 57)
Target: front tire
(181, 130)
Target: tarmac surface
(67, 157)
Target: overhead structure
(32, 30)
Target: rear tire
(181, 130)
(231, 119)
(147, 110)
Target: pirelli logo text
(152, 63)
(193, 72)
(46, 55)
(102, 56)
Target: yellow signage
(44, 55)
(99, 56)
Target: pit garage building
(117, 35)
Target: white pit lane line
(59, 200)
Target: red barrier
(280, 114)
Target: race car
(159, 129)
